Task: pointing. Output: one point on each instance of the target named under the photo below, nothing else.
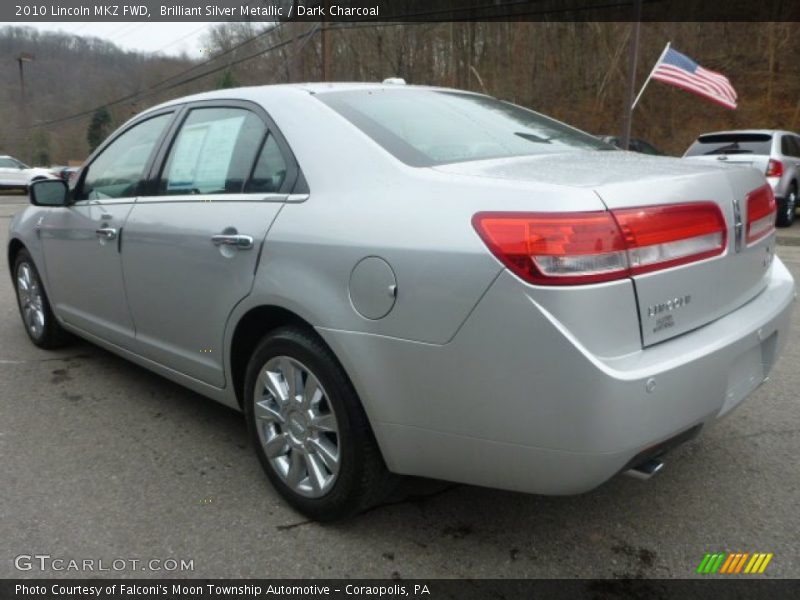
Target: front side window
(213, 153)
(118, 171)
(424, 128)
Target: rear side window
(12, 163)
(790, 145)
(732, 143)
(424, 128)
(270, 170)
(213, 153)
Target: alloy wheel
(30, 300)
(297, 426)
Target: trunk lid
(674, 300)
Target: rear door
(190, 251)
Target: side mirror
(49, 192)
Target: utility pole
(23, 104)
(326, 50)
(634, 52)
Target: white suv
(774, 153)
(17, 175)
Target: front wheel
(787, 212)
(34, 307)
(310, 431)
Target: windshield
(11, 163)
(731, 143)
(424, 128)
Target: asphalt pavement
(103, 460)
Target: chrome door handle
(241, 242)
(106, 233)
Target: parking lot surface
(100, 459)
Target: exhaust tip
(645, 470)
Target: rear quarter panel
(363, 202)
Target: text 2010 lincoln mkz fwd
(391, 279)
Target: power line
(130, 31)
(341, 26)
(152, 89)
(180, 39)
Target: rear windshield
(731, 143)
(424, 128)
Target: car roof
(257, 92)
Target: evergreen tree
(227, 81)
(98, 128)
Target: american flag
(681, 71)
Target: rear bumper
(514, 401)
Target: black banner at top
(396, 10)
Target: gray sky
(169, 38)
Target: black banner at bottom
(336, 589)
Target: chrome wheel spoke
(265, 412)
(274, 385)
(297, 469)
(312, 393)
(291, 375)
(277, 446)
(327, 453)
(324, 423)
(316, 472)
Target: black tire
(362, 479)
(51, 335)
(786, 212)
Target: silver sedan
(390, 280)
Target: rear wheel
(310, 431)
(787, 212)
(34, 307)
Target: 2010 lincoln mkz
(391, 279)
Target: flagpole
(634, 51)
(653, 70)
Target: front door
(82, 240)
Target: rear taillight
(761, 211)
(590, 247)
(774, 168)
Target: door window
(119, 170)
(213, 153)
